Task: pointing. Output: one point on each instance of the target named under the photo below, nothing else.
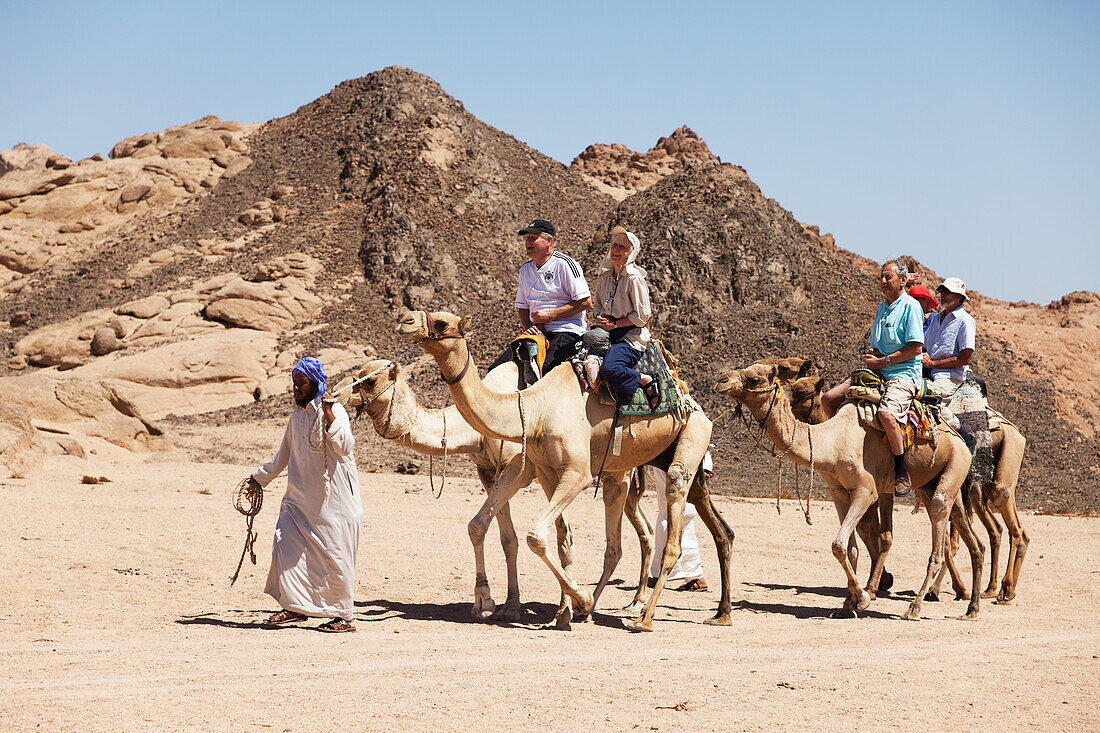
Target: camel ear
(394, 370)
(819, 384)
(807, 364)
(463, 324)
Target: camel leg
(961, 521)
(699, 496)
(645, 533)
(951, 548)
(885, 541)
(869, 530)
(615, 494)
(993, 529)
(1017, 548)
(691, 446)
(938, 513)
(676, 493)
(854, 504)
(478, 527)
(571, 483)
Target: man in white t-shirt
(551, 297)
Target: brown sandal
(696, 585)
(285, 617)
(337, 626)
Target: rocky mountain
(185, 274)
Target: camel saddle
(653, 363)
(920, 420)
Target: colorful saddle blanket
(652, 363)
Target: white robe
(316, 536)
(690, 564)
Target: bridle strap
(461, 374)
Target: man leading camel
(551, 296)
(317, 533)
(897, 337)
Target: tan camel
(856, 465)
(565, 433)
(389, 401)
(386, 397)
(805, 395)
(1000, 495)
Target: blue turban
(314, 371)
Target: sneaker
(902, 485)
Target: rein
(431, 462)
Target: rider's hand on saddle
(533, 331)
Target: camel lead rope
(248, 502)
(523, 433)
(431, 462)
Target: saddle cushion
(652, 363)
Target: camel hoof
(641, 625)
(634, 607)
(885, 583)
(722, 619)
(1004, 598)
(962, 596)
(557, 625)
(932, 596)
(506, 614)
(913, 614)
(483, 609)
(845, 612)
(864, 601)
(969, 616)
(989, 594)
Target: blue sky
(966, 134)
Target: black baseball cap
(538, 226)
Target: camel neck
(422, 430)
(492, 414)
(789, 435)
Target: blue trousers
(618, 369)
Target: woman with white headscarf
(621, 307)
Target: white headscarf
(635, 247)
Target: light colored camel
(566, 433)
(388, 400)
(385, 395)
(855, 463)
(1000, 495)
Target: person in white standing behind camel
(317, 534)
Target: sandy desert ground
(117, 615)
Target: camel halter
(776, 388)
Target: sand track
(116, 614)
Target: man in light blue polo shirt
(949, 344)
(897, 337)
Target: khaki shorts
(898, 397)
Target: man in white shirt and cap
(551, 295)
(949, 345)
(317, 534)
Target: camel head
(793, 368)
(434, 331)
(806, 398)
(380, 374)
(742, 384)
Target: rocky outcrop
(25, 157)
(619, 171)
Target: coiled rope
(248, 501)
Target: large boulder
(264, 306)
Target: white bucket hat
(954, 285)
